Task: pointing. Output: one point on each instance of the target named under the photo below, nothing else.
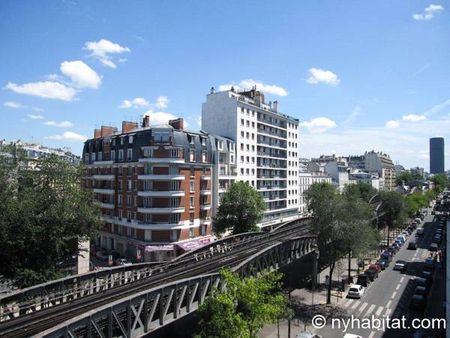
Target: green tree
(44, 213)
(392, 210)
(341, 225)
(440, 182)
(360, 190)
(241, 208)
(242, 308)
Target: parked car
(422, 282)
(363, 280)
(355, 291)
(383, 263)
(351, 335)
(429, 263)
(376, 267)
(427, 275)
(433, 247)
(437, 239)
(372, 273)
(419, 231)
(412, 245)
(102, 255)
(420, 290)
(386, 255)
(400, 266)
(418, 303)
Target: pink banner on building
(191, 245)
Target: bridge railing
(147, 311)
(72, 287)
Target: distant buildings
(437, 155)
(36, 151)
(382, 164)
(266, 147)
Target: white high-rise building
(266, 147)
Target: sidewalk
(307, 303)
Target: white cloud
(318, 125)
(413, 118)
(35, 117)
(250, 83)
(161, 102)
(68, 136)
(81, 74)
(392, 124)
(46, 89)
(428, 12)
(137, 102)
(317, 75)
(63, 124)
(159, 118)
(12, 104)
(103, 49)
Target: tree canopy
(44, 213)
(360, 190)
(243, 306)
(341, 224)
(440, 182)
(241, 208)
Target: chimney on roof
(128, 126)
(107, 131)
(177, 124)
(275, 106)
(146, 121)
(97, 133)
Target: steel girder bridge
(33, 310)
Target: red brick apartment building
(156, 186)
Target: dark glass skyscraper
(437, 155)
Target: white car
(351, 335)
(122, 261)
(356, 291)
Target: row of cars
(423, 284)
(357, 290)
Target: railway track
(38, 321)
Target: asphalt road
(389, 295)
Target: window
(128, 216)
(174, 219)
(120, 155)
(191, 218)
(148, 152)
(242, 122)
(130, 139)
(173, 153)
(191, 232)
(129, 202)
(191, 155)
(93, 157)
(174, 202)
(121, 140)
(174, 185)
(120, 214)
(119, 200)
(86, 157)
(148, 235)
(192, 186)
(129, 154)
(191, 202)
(174, 235)
(242, 134)
(147, 202)
(113, 141)
(113, 155)
(202, 230)
(203, 141)
(204, 156)
(147, 218)
(148, 185)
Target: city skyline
(355, 89)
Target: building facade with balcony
(155, 188)
(266, 147)
(383, 165)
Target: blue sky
(359, 75)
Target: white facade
(266, 147)
(306, 179)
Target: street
(390, 294)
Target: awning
(165, 247)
